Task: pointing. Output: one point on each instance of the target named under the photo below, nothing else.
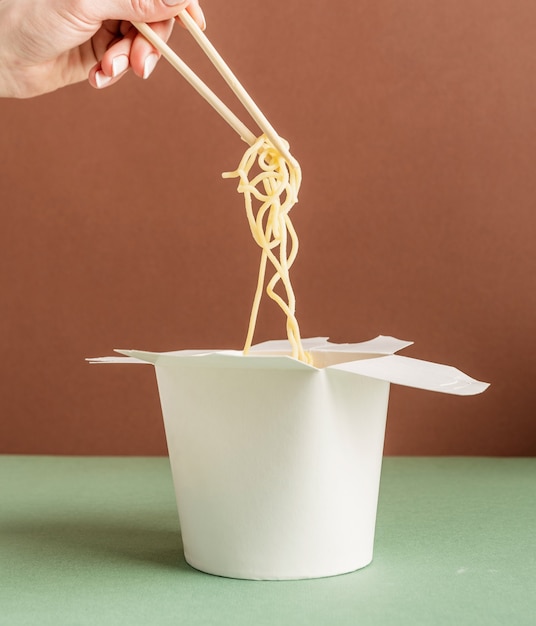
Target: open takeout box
(276, 463)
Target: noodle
(275, 187)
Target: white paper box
(276, 464)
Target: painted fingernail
(119, 65)
(199, 16)
(101, 79)
(150, 64)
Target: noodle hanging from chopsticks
(275, 187)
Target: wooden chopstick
(196, 82)
(233, 82)
(229, 77)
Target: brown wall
(415, 124)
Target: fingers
(115, 60)
(197, 13)
(133, 51)
(143, 57)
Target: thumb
(135, 10)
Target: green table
(96, 541)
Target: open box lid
(375, 358)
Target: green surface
(96, 541)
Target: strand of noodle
(268, 186)
(256, 303)
(272, 227)
(262, 271)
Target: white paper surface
(276, 471)
(402, 370)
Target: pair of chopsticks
(226, 73)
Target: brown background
(415, 124)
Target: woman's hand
(47, 44)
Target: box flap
(225, 358)
(411, 372)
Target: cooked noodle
(275, 187)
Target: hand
(48, 44)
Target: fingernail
(119, 65)
(174, 3)
(202, 18)
(101, 79)
(150, 64)
(197, 13)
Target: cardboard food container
(276, 464)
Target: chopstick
(233, 82)
(229, 77)
(194, 80)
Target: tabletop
(96, 540)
